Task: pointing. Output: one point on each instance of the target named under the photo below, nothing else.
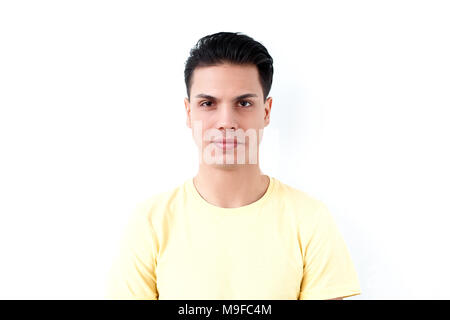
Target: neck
(231, 187)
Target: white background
(92, 121)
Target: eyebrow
(242, 96)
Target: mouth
(226, 143)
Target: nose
(227, 120)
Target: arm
(133, 275)
(328, 268)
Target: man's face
(214, 104)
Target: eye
(244, 101)
(202, 104)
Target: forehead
(225, 78)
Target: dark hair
(234, 48)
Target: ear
(267, 109)
(187, 106)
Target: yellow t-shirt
(285, 245)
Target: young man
(231, 232)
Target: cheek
(203, 118)
(199, 132)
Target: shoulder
(158, 206)
(302, 204)
(307, 211)
(313, 221)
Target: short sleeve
(132, 275)
(328, 270)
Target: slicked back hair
(234, 48)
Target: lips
(226, 141)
